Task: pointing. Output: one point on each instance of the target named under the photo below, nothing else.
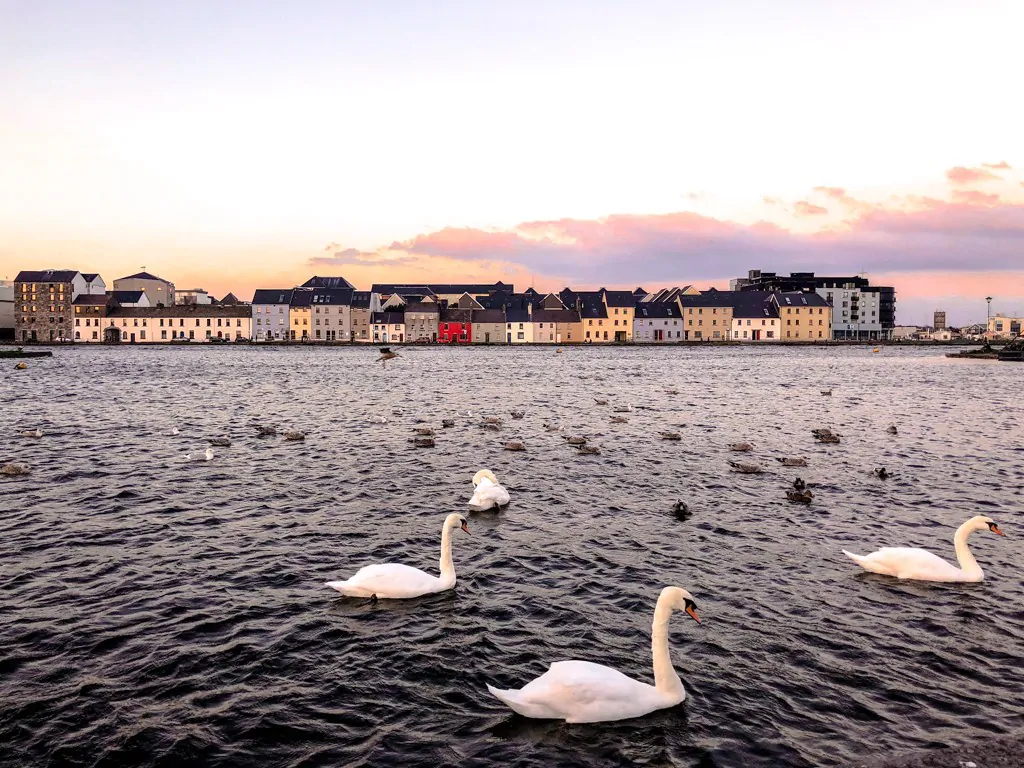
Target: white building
(388, 327)
(271, 319)
(192, 296)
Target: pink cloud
(974, 197)
(1000, 166)
(961, 175)
(804, 208)
(836, 193)
(771, 201)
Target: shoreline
(29, 345)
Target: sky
(232, 146)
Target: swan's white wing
(487, 495)
(583, 692)
(910, 563)
(388, 580)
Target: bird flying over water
(385, 355)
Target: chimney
(529, 309)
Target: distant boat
(1014, 351)
(11, 354)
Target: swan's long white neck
(665, 678)
(964, 556)
(447, 566)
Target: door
(755, 335)
(487, 338)
(133, 338)
(509, 341)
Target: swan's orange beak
(996, 531)
(465, 528)
(693, 613)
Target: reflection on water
(159, 612)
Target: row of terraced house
(64, 305)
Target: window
(78, 336)
(163, 335)
(95, 335)
(77, 322)
(520, 335)
(142, 335)
(770, 334)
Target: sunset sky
(240, 145)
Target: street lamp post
(988, 314)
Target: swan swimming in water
(922, 565)
(584, 692)
(489, 493)
(396, 581)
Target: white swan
(392, 580)
(489, 493)
(206, 456)
(583, 692)
(920, 564)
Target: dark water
(162, 613)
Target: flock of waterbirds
(581, 691)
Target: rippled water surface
(159, 612)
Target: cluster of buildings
(71, 306)
(1000, 327)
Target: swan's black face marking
(691, 608)
(995, 529)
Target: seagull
(741, 447)
(220, 442)
(33, 433)
(491, 420)
(552, 427)
(600, 402)
(206, 456)
(377, 419)
(424, 431)
(12, 470)
(620, 420)
(744, 468)
(385, 355)
(623, 408)
(514, 445)
(576, 440)
(670, 436)
(464, 414)
(174, 431)
(294, 435)
(589, 450)
(792, 462)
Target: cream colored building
(1004, 327)
(196, 323)
(803, 316)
